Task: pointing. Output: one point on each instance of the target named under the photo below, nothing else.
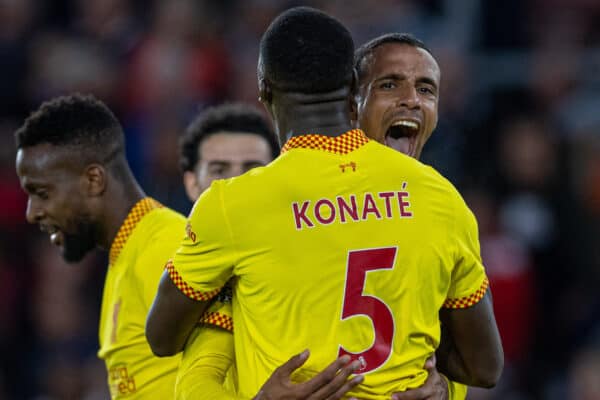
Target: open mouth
(401, 135)
(56, 236)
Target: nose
(34, 213)
(409, 98)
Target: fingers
(430, 362)
(292, 364)
(324, 377)
(421, 393)
(346, 387)
(339, 384)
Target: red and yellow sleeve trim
(139, 210)
(468, 301)
(187, 289)
(217, 319)
(342, 144)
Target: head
(223, 142)
(397, 92)
(67, 151)
(303, 51)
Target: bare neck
(324, 113)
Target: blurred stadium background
(519, 134)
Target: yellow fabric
(207, 370)
(295, 235)
(457, 391)
(130, 287)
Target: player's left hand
(434, 388)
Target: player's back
(337, 253)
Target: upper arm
(475, 337)
(198, 270)
(171, 318)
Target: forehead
(238, 145)
(400, 58)
(44, 162)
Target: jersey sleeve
(220, 313)
(469, 281)
(207, 357)
(205, 258)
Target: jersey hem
(186, 288)
(470, 300)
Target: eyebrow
(399, 77)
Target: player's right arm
(199, 269)
(471, 350)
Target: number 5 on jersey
(356, 303)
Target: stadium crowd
(519, 135)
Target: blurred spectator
(519, 127)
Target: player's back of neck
(320, 113)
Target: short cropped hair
(305, 50)
(225, 118)
(75, 120)
(367, 49)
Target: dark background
(519, 135)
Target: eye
(217, 170)
(426, 90)
(386, 85)
(41, 193)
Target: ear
(265, 94)
(353, 98)
(95, 180)
(192, 186)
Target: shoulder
(162, 226)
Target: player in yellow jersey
(397, 105)
(71, 162)
(222, 142)
(341, 245)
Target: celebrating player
(71, 162)
(300, 235)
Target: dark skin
(64, 191)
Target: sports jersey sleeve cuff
(470, 300)
(216, 318)
(187, 289)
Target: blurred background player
(223, 142)
(71, 163)
(301, 99)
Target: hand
(330, 384)
(434, 388)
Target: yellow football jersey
(147, 239)
(342, 246)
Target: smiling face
(397, 98)
(57, 198)
(225, 155)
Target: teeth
(408, 124)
